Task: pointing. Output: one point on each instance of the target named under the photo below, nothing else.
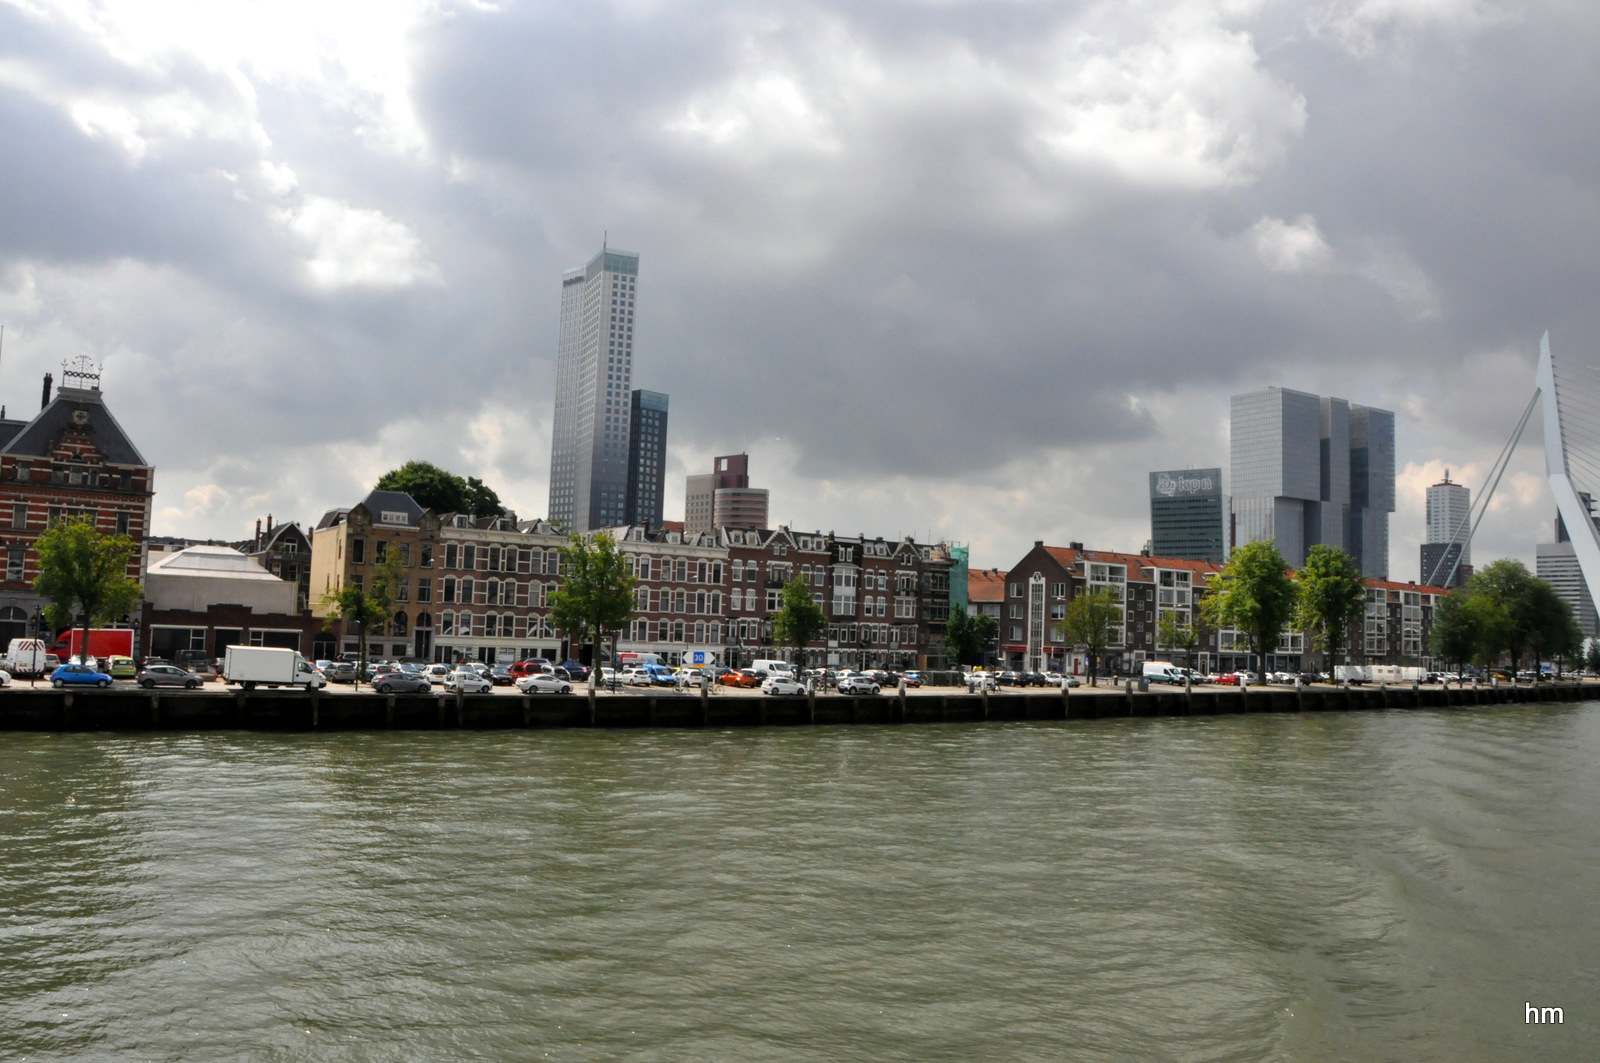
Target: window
(447, 593)
(1016, 610)
(14, 559)
(469, 557)
(466, 590)
(494, 559)
(358, 551)
(424, 590)
(452, 556)
(1016, 590)
(122, 523)
(402, 592)
(738, 571)
(1016, 633)
(773, 604)
(1058, 590)
(19, 515)
(447, 623)
(821, 576)
(464, 624)
(680, 571)
(552, 562)
(427, 555)
(381, 553)
(716, 572)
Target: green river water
(1363, 886)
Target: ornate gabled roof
(76, 409)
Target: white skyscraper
(594, 375)
(1446, 555)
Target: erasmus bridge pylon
(1571, 400)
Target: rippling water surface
(1319, 887)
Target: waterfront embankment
(268, 710)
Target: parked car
(500, 675)
(167, 675)
(912, 679)
(1057, 679)
(576, 670)
(743, 678)
(782, 684)
(660, 675)
(637, 677)
(339, 672)
(858, 684)
(982, 681)
(689, 677)
(5, 678)
(543, 683)
(79, 675)
(529, 666)
(402, 681)
(437, 673)
(466, 680)
(121, 668)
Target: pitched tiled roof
(986, 585)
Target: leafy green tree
(799, 621)
(1173, 633)
(1091, 625)
(1457, 634)
(1556, 635)
(83, 574)
(1509, 606)
(441, 491)
(967, 637)
(596, 597)
(1591, 657)
(365, 606)
(1330, 596)
(1252, 594)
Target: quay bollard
(1188, 692)
(1127, 692)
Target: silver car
(169, 675)
(399, 682)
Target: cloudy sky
(967, 270)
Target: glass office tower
(1188, 515)
(1307, 470)
(647, 458)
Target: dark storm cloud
(915, 241)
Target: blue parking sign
(697, 657)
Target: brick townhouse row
(1030, 600)
(478, 588)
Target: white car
(542, 683)
(438, 673)
(1057, 679)
(636, 677)
(467, 681)
(858, 684)
(781, 684)
(5, 679)
(982, 681)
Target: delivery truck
(103, 642)
(270, 666)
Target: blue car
(78, 673)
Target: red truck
(103, 642)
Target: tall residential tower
(594, 372)
(647, 458)
(1445, 550)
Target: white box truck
(271, 666)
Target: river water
(1362, 886)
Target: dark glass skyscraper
(647, 458)
(1188, 515)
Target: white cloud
(1363, 26)
(353, 247)
(1291, 247)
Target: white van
(773, 668)
(1164, 672)
(26, 657)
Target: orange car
(745, 678)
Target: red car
(1227, 679)
(745, 678)
(532, 666)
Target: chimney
(269, 523)
(45, 400)
(1075, 546)
(258, 533)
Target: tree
(363, 606)
(968, 636)
(1555, 635)
(84, 576)
(1092, 621)
(441, 491)
(1510, 608)
(799, 621)
(1457, 632)
(1173, 633)
(1591, 656)
(1330, 595)
(1252, 594)
(596, 597)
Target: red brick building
(72, 459)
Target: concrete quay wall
(117, 710)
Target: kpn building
(1189, 515)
